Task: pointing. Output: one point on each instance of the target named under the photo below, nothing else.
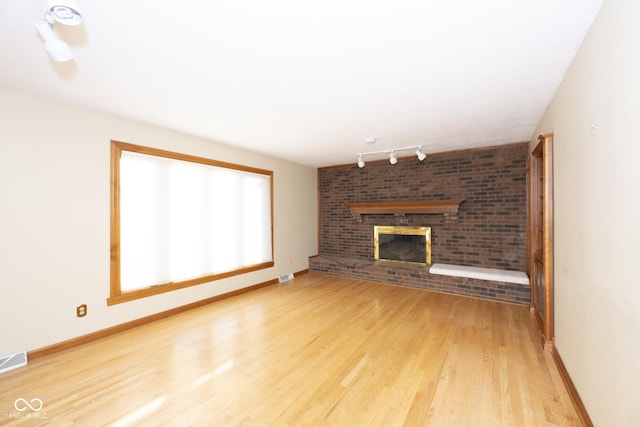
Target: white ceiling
(309, 81)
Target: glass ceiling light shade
(64, 11)
(58, 50)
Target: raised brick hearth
(488, 231)
(419, 277)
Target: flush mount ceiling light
(393, 157)
(64, 12)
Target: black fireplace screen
(402, 244)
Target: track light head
(360, 161)
(58, 50)
(58, 11)
(420, 154)
(393, 159)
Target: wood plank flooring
(315, 351)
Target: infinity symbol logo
(22, 405)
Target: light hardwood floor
(317, 350)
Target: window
(179, 220)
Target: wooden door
(540, 260)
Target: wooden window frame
(117, 296)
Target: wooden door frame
(542, 153)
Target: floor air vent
(13, 361)
(285, 277)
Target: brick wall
(490, 230)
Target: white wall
(54, 219)
(597, 215)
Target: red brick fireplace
(481, 220)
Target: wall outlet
(81, 310)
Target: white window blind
(181, 220)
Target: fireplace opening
(402, 244)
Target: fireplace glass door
(402, 244)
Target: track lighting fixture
(393, 157)
(63, 12)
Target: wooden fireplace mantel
(449, 208)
